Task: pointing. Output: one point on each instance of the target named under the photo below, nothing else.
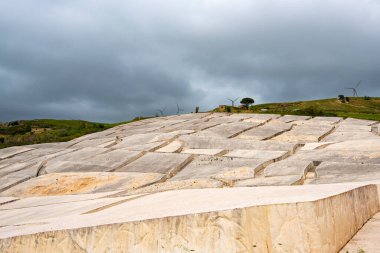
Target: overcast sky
(111, 60)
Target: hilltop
(360, 108)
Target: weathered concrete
(241, 219)
(74, 183)
(204, 167)
(266, 131)
(12, 151)
(208, 182)
(367, 240)
(164, 163)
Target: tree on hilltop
(247, 102)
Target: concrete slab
(356, 145)
(291, 118)
(202, 151)
(75, 183)
(344, 136)
(306, 133)
(204, 142)
(12, 179)
(267, 131)
(15, 167)
(92, 143)
(363, 122)
(270, 181)
(174, 185)
(256, 209)
(80, 154)
(316, 145)
(288, 167)
(335, 172)
(226, 130)
(367, 240)
(138, 139)
(49, 200)
(172, 147)
(12, 151)
(331, 120)
(37, 214)
(33, 155)
(265, 155)
(205, 167)
(165, 163)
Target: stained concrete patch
(74, 183)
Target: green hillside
(361, 108)
(25, 132)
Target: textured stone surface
(208, 182)
(74, 183)
(367, 240)
(236, 220)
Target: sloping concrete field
(207, 182)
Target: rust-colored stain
(70, 185)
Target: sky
(112, 60)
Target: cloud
(113, 60)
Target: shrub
(367, 98)
(341, 98)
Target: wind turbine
(179, 109)
(354, 92)
(233, 101)
(162, 111)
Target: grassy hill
(360, 108)
(25, 132)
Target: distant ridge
(360, 108)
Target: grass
(26, 132)
(359, 108)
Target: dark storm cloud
(113, 60)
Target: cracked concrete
(178, 177)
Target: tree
(247, 102)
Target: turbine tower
(162, 111)
(233, 101)
(179, 109)
(354, 92)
